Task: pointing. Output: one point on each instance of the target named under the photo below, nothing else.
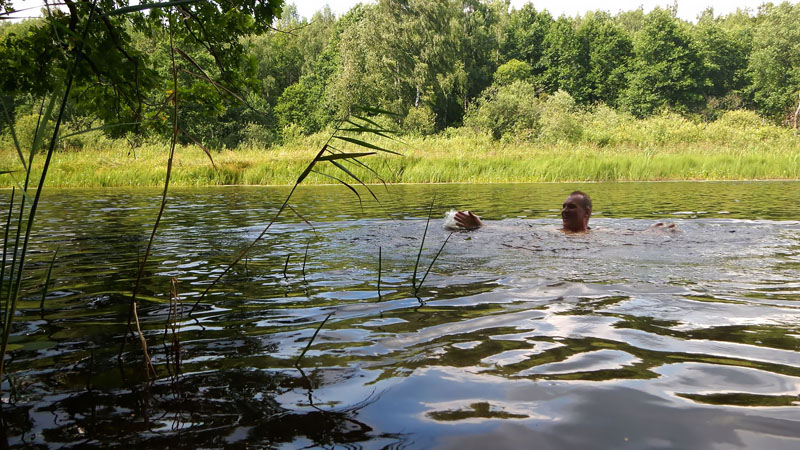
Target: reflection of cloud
(697, 378)
(465, 326)
(586, 362)
(517, 356)
(617, 418)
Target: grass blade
(258, 238)
(308, 170)
(344, 169)
(101, 127)
(302, 218)
(14, 136)
(311, 341)
(373, 110)
(421, 246)
(197, 143)
(369, 121)
(366, 144)
(135, 8)
(14, 293)
(305, 258)
(433, 261)
(5, 249)
(335, 156)
(344, 183)
(47, 282)
(379, 273)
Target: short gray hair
(587, 201)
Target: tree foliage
(774, 62)
(120, 75)
(437, 64)
(667, 70)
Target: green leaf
(14, 137)
(344, 169)
(421, 246)
(343, 182)
(134, 8)
(366, 119)
(102, 127)
(344, 156)
(434, 260)
(366, 144)
(19, 186)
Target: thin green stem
(47, 282)
(421, 246)
(35, 204)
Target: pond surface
(518, 337)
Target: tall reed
(14, 282)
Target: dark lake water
(519, 336)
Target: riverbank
(649, 152)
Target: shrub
(420, 120)
(605, 126)
(740, 118)
(560, 119)
(257, 135)
(501, 110)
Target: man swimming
(575, 213)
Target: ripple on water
(519, 336)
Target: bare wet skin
(520, 335)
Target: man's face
(573, 215)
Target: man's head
(575, 212)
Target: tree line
(437, 65)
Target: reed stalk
(379, 273)
(134, 307)
(328, 153)
(47, 282)
(311, 341)
(421, 247)
(15, 285)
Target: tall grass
(610, 147)
(48, 124)
(158, 169)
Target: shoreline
(426, 160)
(449, 183)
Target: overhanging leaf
(366, 144)
(343, 156)
(344, 169)
(134, 8)
(342, 182)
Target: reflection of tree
(214, 409)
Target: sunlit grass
(611, 147)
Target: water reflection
(524, 336)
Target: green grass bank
(661, 148)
